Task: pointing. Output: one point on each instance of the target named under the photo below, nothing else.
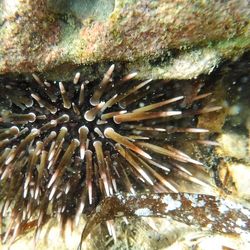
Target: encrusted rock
(165, 39)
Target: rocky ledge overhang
(166, 39)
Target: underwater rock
(96, 9)
(167, 39)
(233, 145)
(240, 174)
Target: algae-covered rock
(166, 39)
(97, 9)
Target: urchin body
(65, 147)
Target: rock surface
(162, 39)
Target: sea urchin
(66, 146)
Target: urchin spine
(66, 147)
